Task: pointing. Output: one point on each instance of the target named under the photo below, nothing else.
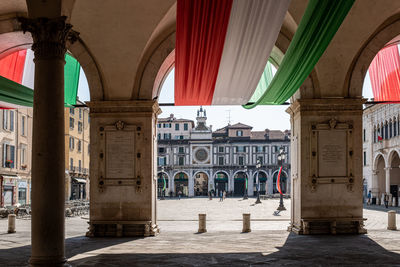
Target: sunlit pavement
(179, 245)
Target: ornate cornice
(49, 36)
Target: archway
(181, 181)
(284, 183)
(262, 177)
(379, 180)
(395, 177)
(200, 184)
(162, 184)
(221, 182)
(240, 183)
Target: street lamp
(245, 183)
(163, 188)
(281, 158)
(258, 166)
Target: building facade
(16, 151)
(77, 153)
(381, 150)
(194, 160)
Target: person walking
(220, 195)
(386, 200)
(179, 194)
(369, 197)
(223, 195)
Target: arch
(379, 179)
(13, 39)
(206, 172)
(355, 76)
(285, 181)
(201, 183)
(163, 172)
(215, 174)
(394, 174)
(235, 173)
(377, 155)
(181, 186)
(263, 182)
(181, 171)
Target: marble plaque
(120, 154)
(332, 147)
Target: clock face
(201, 154)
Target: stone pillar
(250, 190)
(191, 184)
(246, 223)
(387, 175)
(202, 223)
(123, 169)
(48, 164)
(391, 220)
(327, 158)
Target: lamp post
(245, 183)
(163, 188)
(258, 166)
(281, 158)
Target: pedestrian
(220, 196)
(223, 195)
(369, 197)
(179, 194)
(386, 200)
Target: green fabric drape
(18, 94)
(263, 84)
(319, 24)
(71, 80)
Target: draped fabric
(319, 24)
(252, 32)
(384, 73)
(12, 66)
(200, 34)
(278, 181)
(263, 84)
(18, 72)
(222, 48)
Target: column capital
(49, 36)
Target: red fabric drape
(201, 27)
(12, 66)
(384, 73)
(278, 181)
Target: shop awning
(79, 180)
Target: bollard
(11, 223)
(246, 223)
(202, 223)
(391, 220)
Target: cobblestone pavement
(223, 244)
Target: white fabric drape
(252, 32)
(28, 77)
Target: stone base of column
(122, 229)
(48, 261)
(330, 226)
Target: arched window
(382, 131)
(390, 129)
(394, 127)
(386, 130)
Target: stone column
(123, 168)
(327, 158)
(191, 184)
(387, 175)
(48, 165)
(252, 175)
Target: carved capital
(49, 36)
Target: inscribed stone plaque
(332, 153)
(120, 154)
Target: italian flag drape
(17, 72)
(384, 73)
(222, 48)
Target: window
(80, 113)
(167, 136)
(71, 143)
(390, 130)
(181, 161)
(23, 125)
(71, 164)
(241, 149)
(159, 136)
(260, 148)
(239, 133)
(5, 119)
(365, 158)
(23, 156)
(261, 159)
(241, 161)
(176, 126)
(185, 126)
(8, 156)
(80, 165)
(221, 149)
(161, 150)
(181, 137)
(395, 129)
(71, 111)
(79, 126)
(181, 149)
(11, 120)
(364, 135)
(71, 123)
(220, 161)
(79, 146)
(162, 161)
(159, 125)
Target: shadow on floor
(381, 208)
(297, 250)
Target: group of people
(385, 199)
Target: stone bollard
(246, 223)
(202, 223)
(11, 223)
(391, 220)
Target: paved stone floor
(223, 244)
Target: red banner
(12, 66)
(278, 181)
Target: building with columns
(126, 48)
(381, 150)
(194, 160)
